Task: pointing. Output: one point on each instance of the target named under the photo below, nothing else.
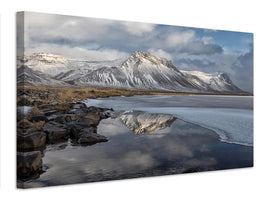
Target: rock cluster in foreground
(53, 123)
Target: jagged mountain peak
(144, 55)
(140, 58)
(141, 71)
(147, 56)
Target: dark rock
(30, 141)
(66, 118)
(38, 118)
(36, 103)
(63, 107)
(24, 102)
(29, 163)
(55, 131)
(45, 107)
(87, 137)
(94, 109)
(49, 112)
(70, 118)
(77, 129)
(93, 116)
(78, 111)
(61, 146)
(79, 105)
(106, 114)
(91, 119)
(88, 122)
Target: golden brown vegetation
(64, 95)
(33, 112)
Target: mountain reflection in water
(146, 122)
(172, 146)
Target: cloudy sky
(204, 50)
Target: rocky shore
(41, 123)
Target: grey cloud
(60, 29)
(78, 52)
(203, 63)
(243, 71)
(238, 66)
(199, 47)
(82, 32)
(110, 39)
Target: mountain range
(140, 71)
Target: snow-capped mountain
(141, 71)
(218, 82)
(46, 63)
(27, 76)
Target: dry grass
(33, 112)
(64, 95)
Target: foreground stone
(55, 131)
(30, 141)
(29, 163)
(61, 121)
(64, 118)
(38, 118)
(79, 105)
(88, 137)
(91, 119)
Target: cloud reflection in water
(173, 147)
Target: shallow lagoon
(231, 117)
(174, 146)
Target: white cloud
(180, 38)
(99, 39)
(78, 52)
(138, 29)
(206, 39)
(55, 28)
(160, 53)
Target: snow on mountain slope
(46, 63)
(55, 64)
(218, 82)
(146, 122)
(28, 77)
(140, 71)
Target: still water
(157, 135)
